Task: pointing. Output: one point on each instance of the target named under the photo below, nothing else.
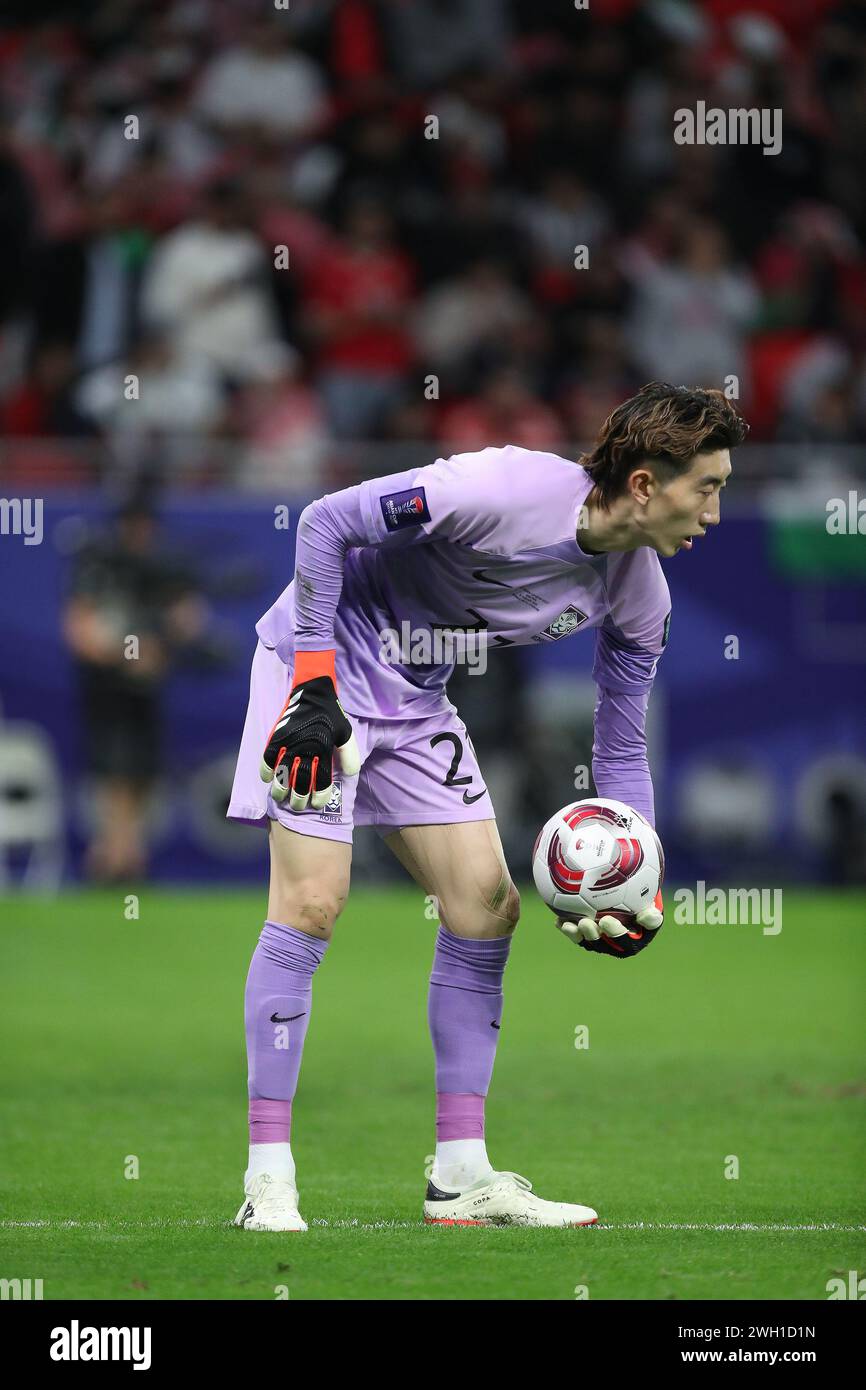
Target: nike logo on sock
(495, 1025)
(275, 1018)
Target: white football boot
(270, 1204)
(502, 1199)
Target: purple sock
(270, 1121)
(464, 1011)
(277, 1002)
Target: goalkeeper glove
(298, 758)
(615, 934)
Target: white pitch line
(725, 1226)
(204, 1222)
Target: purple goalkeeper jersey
(483, 543)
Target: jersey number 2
(451, 778)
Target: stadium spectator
(188, 150)
(563, 214)
(356, 302)
(435, 40)
(154, 398)
(812, 273)
(820, 402)
(459, 317)
(86, 283)
(263, 84)
(506, 411)
(207, 284)
(43, 404)
(601, 379)
(17, 216)
(691, 317)
(283, 423)
(311, 129)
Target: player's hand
(615, 934)
(298, 759)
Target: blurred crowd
(236, 236)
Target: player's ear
(642, 485)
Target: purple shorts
(414, 771)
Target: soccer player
(344, 730)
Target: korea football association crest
(334, 805)
(569, 620)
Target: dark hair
(665, 426)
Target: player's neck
(614, 528)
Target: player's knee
(509, 909)
(493, 909)
(311, 907)
(512, 906)
(499, 895)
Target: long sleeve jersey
(482, 543)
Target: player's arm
(312, 726)
(628, 645)
(624, 672)
(450, 499)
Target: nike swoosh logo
(275, 1018)
(485, 579)
(468, 800)
(495, 1025)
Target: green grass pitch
(125, 1038)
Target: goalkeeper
(520, 546)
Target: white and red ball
(598, 856)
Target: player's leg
(309, 885)
(310, 863)
(463, 866)
(309, 880)
(429, 767)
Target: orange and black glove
(312, 726)
(615, 933)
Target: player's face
(682, 510)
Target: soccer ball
(598, 857)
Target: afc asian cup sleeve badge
(407, 508)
